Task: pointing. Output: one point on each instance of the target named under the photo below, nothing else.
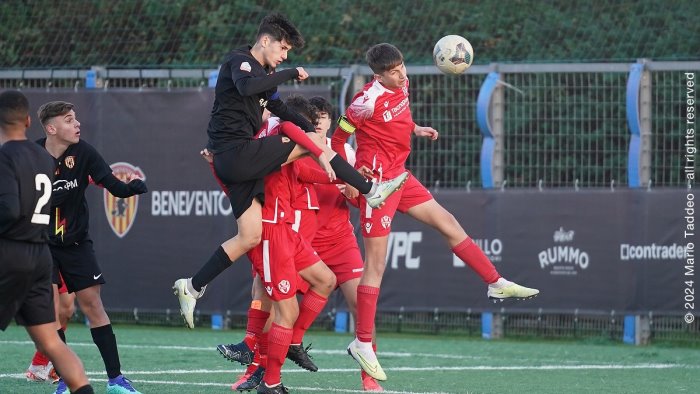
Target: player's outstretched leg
(385, 189)
(503, 289)
(188, 299)
(363, 353)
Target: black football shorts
(243, 168)
(78, 266)
(25, 284)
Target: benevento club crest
(121, 212)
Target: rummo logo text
(563, 258)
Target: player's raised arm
(341, 134)
(249, 85)
(122, 189)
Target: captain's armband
(345, 125)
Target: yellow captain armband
(345, 125)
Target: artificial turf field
(177, 360)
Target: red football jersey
(384, 124)
(277, 208)
(303, 193)
(333, 218)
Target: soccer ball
(453, 54)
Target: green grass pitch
(176, 360)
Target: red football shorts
(278, 257)
(342, 257)
(377, 222)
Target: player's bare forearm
(310, 174)
(425, 131)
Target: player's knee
(250, 240)
(376, 268)
(288, 316)
(329, 282)
(92, 306)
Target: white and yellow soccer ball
(453, 54)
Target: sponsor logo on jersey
(387, 116)
(245, 66)
(64, 184)
(283, 286)
(70, 161)
(121, 212)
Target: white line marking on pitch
(404, 369)
(211, 348)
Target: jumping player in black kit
(75, 163)
(26, 174)
(247, 84)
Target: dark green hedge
(189, 33)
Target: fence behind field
(549, 125)
(562, 140)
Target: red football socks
(474, 257)
(311, 305)
(279, 339)
(256, 323)
(367, 297)
(40, 359)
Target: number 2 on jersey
(43, 185)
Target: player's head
(59, 121)
(325, 112)
(302, 106)
(276, 37)
(14, 111)
(386, 61)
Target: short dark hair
(301, 105)
(322, 105)
(280, 28)
(14, 108)
(383, 57)
(53, 109)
